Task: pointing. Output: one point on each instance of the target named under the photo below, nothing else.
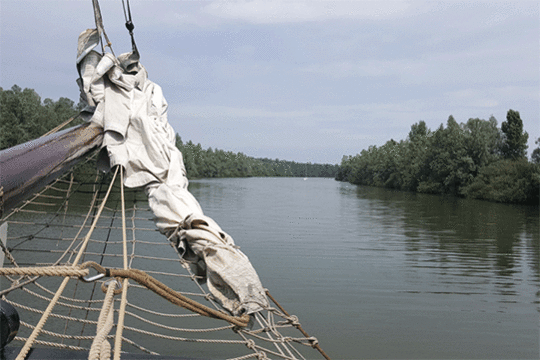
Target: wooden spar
(27, 168)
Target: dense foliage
(475, 159)
(23, 117)
(209, 163)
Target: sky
(307, 81)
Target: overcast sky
(298, 80)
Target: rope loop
(101, 272)
(293, 319)
(94, 265)
(117, 288)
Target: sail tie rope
(62, 125)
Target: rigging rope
(298, 326)
(28, 344)
(268, 338)
(99, 25)
(139, 276)
(129, 25)
(125, 282)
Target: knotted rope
(294, 321)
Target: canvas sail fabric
(133, 112)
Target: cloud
(471, 98)
(450, 67)
(229, 113)
(288, 11)
(366, 68)
(290, 79)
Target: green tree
(483, 141)
(535, 157)
(23, 117)
(514, 144)
(418, 131)
(461, 159)
(414, 163)
(508, 181)
(450, 164)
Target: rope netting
(71, 223)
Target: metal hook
(93, 278)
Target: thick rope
(101, 348)
(169, 294)
(139, 276)
(46, 271)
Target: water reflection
(463, 243)
(385, 274)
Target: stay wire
(127, 16)
(129, 23)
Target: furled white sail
(133, 112)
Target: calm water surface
(375, 273)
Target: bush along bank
(476, 159)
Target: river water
(376, 273)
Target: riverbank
(474, 160)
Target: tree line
(209, 163)
(476, 159)
(24, 117)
